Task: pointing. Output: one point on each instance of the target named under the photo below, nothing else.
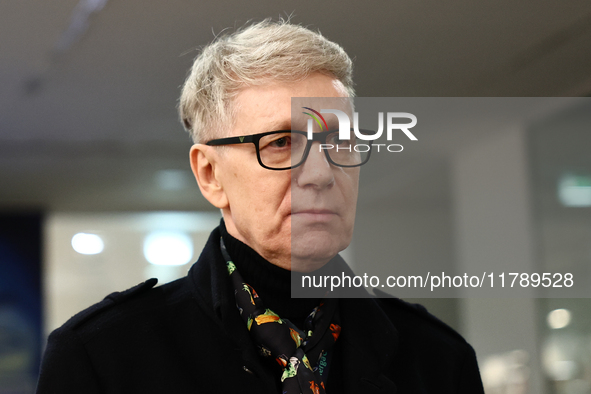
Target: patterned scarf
(301, 354)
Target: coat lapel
(211, 284)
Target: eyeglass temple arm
(231, 140)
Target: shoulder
(429, 350)
(416, 325)
(110, 301)
(124, 311)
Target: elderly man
(231, 325)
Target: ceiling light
(559, 318)
(168, 248)
(85, 243)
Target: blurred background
(95, 182)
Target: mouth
(315, 215)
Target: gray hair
(258, 54)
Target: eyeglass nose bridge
(309, 147)
(321, 139)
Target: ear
(204, 160)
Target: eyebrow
(281, 125)
(302, 125)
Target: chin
(312, 251)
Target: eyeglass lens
(285, 149)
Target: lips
(314, 211)
(315, 215)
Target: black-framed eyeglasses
(287, 149)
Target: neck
(280, 260)
(272, 283)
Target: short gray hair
(258, 54)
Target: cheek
(349, 184)
(273, 190)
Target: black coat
(187, 337)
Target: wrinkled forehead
(321, 111)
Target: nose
(316, 171)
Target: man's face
(297, 219)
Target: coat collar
(214, 294)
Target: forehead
(268, 107)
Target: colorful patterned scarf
(301, 354)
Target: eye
(334, 139)
(281, 142)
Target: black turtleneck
(272, 283)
